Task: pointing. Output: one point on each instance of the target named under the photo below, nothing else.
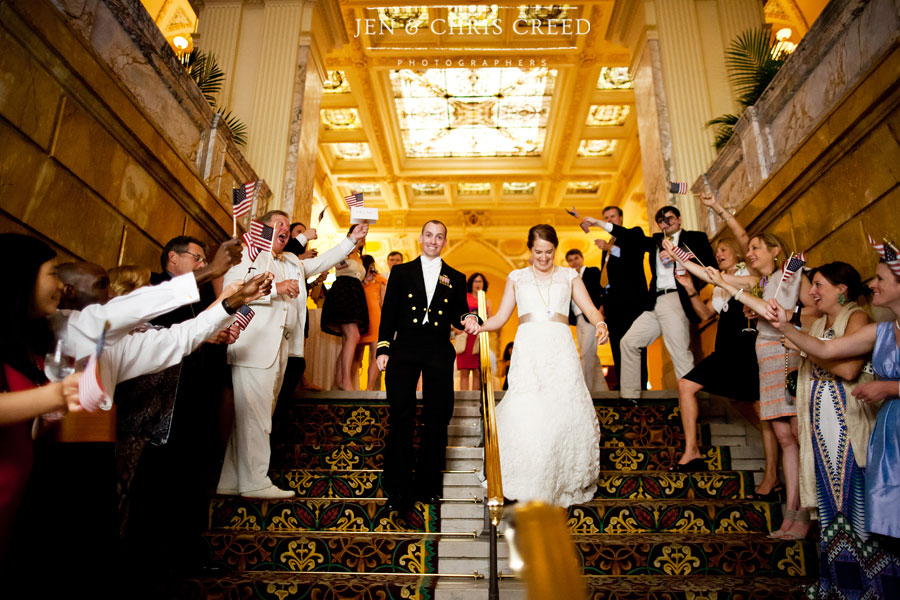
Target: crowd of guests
(801, 356)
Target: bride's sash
(538, 317)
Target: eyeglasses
(196, 257)
(668, 220)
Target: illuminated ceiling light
(352, 151)
(614, 78)
(427, 189)
(602, 115)
(782, 46)
(340, 118)
(473, 189)
(783, 34)
(473, 112)
(597, 148)
(180, 42)
(583, 187)
(336, 83)
(519, 188)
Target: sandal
(692, 466)
(799, 516)
(778, 534)
(772, 495)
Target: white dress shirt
(431, 270)
(665, 275)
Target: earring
(842, 299)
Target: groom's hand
(471, 325)
(382, 361)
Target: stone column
(680, 83)
(273, 83)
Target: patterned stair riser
(309, 586)
(651, 484)
(743, 557)
(346, 457)
(236, 513)
(332, 553)
(652, 587)
(610, 485)
(649, 425)
(673, 517)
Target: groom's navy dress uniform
(416, 345)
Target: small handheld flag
(793, 265)
(354, 200)
(678, 187)
(243, 316)
(90, 388)
(888, 253)
(682, 255)
(321, 214)
(262, 235)
(573, 212)
(242, 199)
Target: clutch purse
(459, 343)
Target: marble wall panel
(29, 97)
(11, 225)
(112, 172)
(20, 164)
(139, 249)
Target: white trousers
(246, 467)
(587, 351)
(667, 318)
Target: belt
(538, 317)
(664, 292)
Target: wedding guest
(374, 285)
(584, 331)
(127, 278)
(468, 362)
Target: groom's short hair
(574, 251)
(436, 222)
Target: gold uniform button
(440, 312)
(435, 323)
(415, 320)
(414, 308)
(410, 295)
(445, 300)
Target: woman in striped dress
(766, 256)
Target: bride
(546, 424)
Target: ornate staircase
(647, 533)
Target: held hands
(471, 326)
(602, 332)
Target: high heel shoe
(692, 466)
(771, 496)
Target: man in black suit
(668, 309)
(625, 286)
(424, 297)
(585, 332)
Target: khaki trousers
(667, 318)
(246, 467)
(587, 350)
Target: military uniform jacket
(406, 305)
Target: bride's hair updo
(543, 232)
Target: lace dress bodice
(537, 295)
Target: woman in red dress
(31, 297)
(468, 361)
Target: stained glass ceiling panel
(614, 78)
(473, 112)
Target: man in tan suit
(259, 356)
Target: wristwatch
(227, 307)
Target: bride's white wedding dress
(546, 424)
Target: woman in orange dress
(374, 285)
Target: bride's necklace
(547, 310)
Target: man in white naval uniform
(258, 358)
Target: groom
(424, 297)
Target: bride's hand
(602, 332)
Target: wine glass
(57, 366)
(757, 291)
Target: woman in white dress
(546, 424)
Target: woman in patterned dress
(866, 565)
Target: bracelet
(694, 295)
(739, 293)
(599, 323)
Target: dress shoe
(226, 492)
(398, 503)
(273, 492)
(631, 401)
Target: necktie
(604, 272)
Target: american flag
(90, 391)
(262, 235)
(678, 187)
(354, 200)
(793, 265)
(888, 252)
(682, 255)
(242, 198)
(252, 250)
(243, 316)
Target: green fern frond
(238, 128)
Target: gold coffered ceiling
(490, 117)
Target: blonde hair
(773, 241)
(735, 248)
(127, 278)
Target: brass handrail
(491, 447)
